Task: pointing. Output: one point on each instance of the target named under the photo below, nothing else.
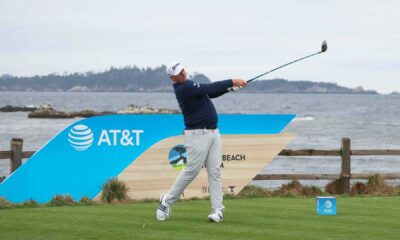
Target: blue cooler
(326, 205)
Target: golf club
(324, 47)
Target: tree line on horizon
(135, 79)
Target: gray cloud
(219, 38)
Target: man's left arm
(222, 87)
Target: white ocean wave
(306, 118)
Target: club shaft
(263, 74)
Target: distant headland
(134, 79)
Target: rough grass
(292, 189)
(61, 200)
(253, 218)
(4, 203)
(333, 187)
(114, 190)
(375, 185)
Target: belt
(205, 127)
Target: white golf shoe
(216, 216)
(164, 210)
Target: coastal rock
(89, 113)
(133, 109)
(10, 108)
(47, 111)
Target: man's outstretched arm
(235, 83)
(216, 89)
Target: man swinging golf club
(201, 138)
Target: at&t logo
(80, 137)
(328, 204)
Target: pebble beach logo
(177, 157)
(80, 137)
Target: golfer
(201, 138)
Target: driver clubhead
(324, 46)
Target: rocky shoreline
(10, 108)
(47, 111)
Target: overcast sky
(222, 39)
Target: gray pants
(203, 149)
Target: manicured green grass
(254, 218)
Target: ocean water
(371, 121)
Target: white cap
(174, 68)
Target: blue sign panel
(326, 205)
(79, 159)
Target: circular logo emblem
(328, 204)
(177, 157)
(80, 137)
